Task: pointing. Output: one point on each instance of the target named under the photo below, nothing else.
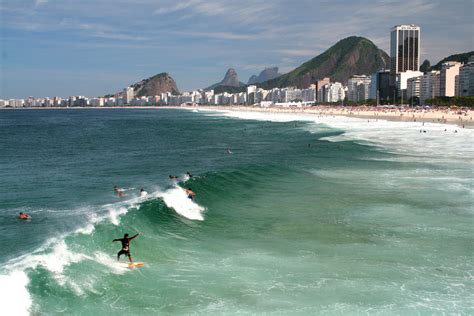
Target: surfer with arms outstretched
(125, 246)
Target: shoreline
(462, 118)
(437, 116)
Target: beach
(461, 117)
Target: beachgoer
(23, 216)
(119, 191)
(190, 193)
(125, 246)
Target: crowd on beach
(445, 115)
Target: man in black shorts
(125, 246)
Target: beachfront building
(358, 88)
(413, 87)
(404, 48)
(96, 102)
(251, 91)
(290, 94)
(429, 86)
(466, 79)
(309, 95)
(333, 92)
(320, 88)
(401, 81)
(16, 103)
(128, 95)
(447, 78)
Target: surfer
(143, 193)
(24, 216)
(119, 191)
(173, 177)
(125, 246)
(190, 193)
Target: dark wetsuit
(125, 247)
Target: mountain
(160, 83)
(266, 74)
(231, 79)
(463, 58)
(351, 56)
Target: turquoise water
(308, 215)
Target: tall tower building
(128, 94)
(404, 48)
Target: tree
(425, 66)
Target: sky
(95, 47)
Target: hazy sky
(94, 47)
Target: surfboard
(136, 264)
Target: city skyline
(64, 50)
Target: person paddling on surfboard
(23, 216)
(125, 246)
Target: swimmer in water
(23, 216)
(190, 193)
(189, 174)
(119, 191)
(143, 193)
(173, 177)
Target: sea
(294, 214)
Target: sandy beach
(461, 117)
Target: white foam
(109, 262)
(177, 199)
(440, 143)
(14, 296)
(115, 213)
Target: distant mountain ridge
(463, 58)
(265, 75)
(231, 79)
(155, 85)
(351, 56)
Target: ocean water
(306, 215)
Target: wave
(55, 255)
(441, 143)
(177, 199)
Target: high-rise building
(466, 79)
(429, 86)
(128, 94)
(447, 80)
(358, 88)
(404, 48)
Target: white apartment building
(334, 92)
(429, 86)
(358, 88)
(128, 95)
(447, 78)
(414, 87)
